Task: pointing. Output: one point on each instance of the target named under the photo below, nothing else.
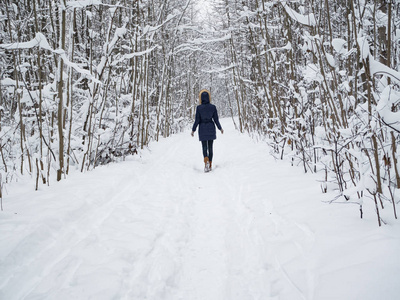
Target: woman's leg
(210, 149)
(204, 145)
(206, 158)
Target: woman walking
(206, 118)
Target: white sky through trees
(205, 14)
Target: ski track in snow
(158, 227)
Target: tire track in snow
(156, 269)
(204, 265)
(219, 263)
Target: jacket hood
(204, 97)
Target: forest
(85, 83)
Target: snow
(83, 3)
(364, 47)
(220, 70)
(76, 67)
(379, 68)
(309, 42)
(39, 40)
(157, 227)
(388, 99)
(397, 35)
(339, 45)
(288, 46)
(202, 41)
(308, 20)
(375, 66)
(8, 82)
(330, 59)
(312, 73)
(141, 53)
(246, 13)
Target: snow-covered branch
(40, 41)
(308, 20)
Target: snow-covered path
(157, 227)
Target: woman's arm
(216, 120)
(196, 121)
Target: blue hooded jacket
(206, 118)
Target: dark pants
(208, 149)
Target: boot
(210, 165)
(206, 164)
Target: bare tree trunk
(143, 96)
(40, 120)
(60, 84)
(134, 88)
(147, 102)
(70, 90)
(1, 192)
(389, 37)
(377, 210)
(377, 164)
(395, 159)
